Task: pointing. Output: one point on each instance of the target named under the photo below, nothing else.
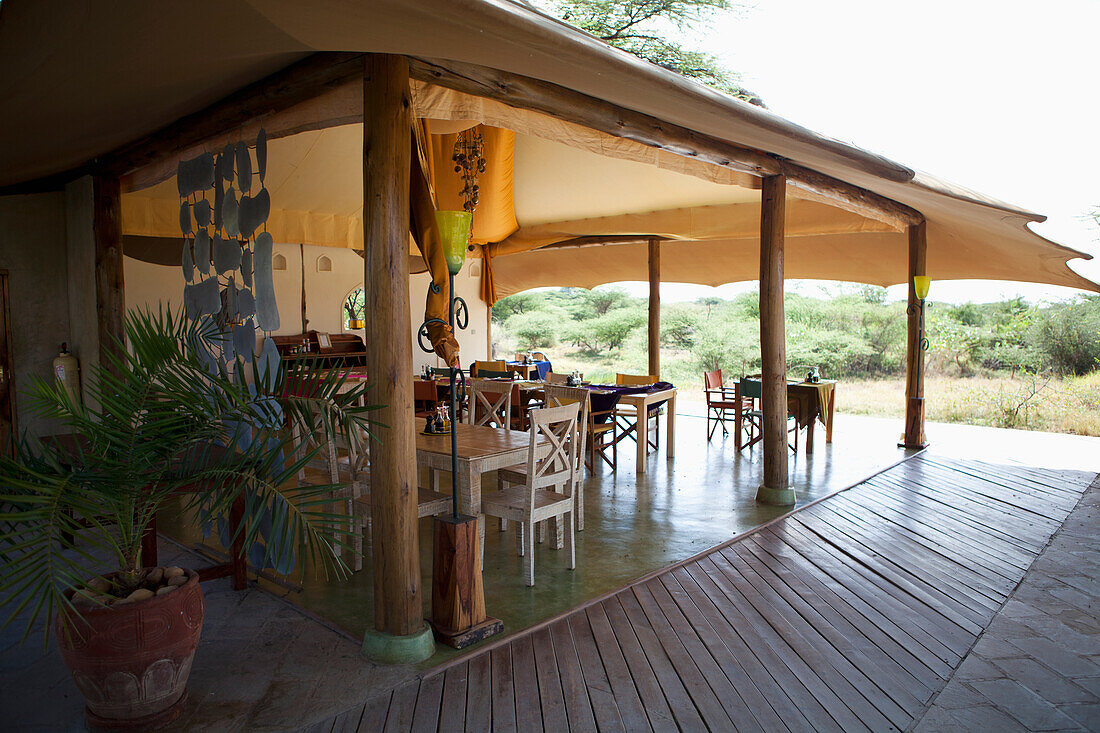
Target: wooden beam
(655, 307)
(301, 81)
(386, 159)
(596, 114)
(305, 320)
(311, 77)
(599, 240)
(324, 71)
(773, 349)
(914, 355)
(110, 296)
(551, 99)
(849, 197)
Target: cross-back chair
(556, 396)
(543, 488)
(490, 404)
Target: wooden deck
(848, 615)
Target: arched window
(355, 308)
(278, 262)
(324, 264)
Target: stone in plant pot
(131, 659)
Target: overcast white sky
(997, 96)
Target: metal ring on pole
(424, 338)
(462, 313)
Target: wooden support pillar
(400, 634)
(773, 348)
(110, 296)
(655, 307)
(914, 359)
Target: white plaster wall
(32, 250)
(326, 291)
(147, 284)
(288, 289)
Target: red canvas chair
(722, 403)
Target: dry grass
(1071, 405)
(1055, 405)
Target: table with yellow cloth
(815, 401)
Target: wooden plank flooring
(848, 615)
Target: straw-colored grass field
(1056, 405)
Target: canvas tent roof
(90, 77)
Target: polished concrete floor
(634, 524)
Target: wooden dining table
(641, 402)
(481, 449)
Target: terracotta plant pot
(131, 661)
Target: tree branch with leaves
(642, 28)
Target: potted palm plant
(169, 420)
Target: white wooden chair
(490, 404)
(556, 396)
(543, 488)
(349, 462)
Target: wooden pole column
(400, 634)
(914, 360)
(655, 307)
(773, 348)
(110, 296)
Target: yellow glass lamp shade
(921, 284)
(454, 230)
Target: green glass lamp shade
(921, 284)
(454, 230)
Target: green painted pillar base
(386, 648)
(775, 497)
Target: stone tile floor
(262, 664)
(1037, 666)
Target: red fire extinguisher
(67, 370)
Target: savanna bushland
(1009, 364)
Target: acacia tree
(641, 27)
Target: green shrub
(606, 332)
(534, 330)
(1068, 336)
(679, 325)
(732, 346)
(835, 353)
(513, 305)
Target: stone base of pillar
(384, 648)
(775, 497)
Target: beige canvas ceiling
(88, 77)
